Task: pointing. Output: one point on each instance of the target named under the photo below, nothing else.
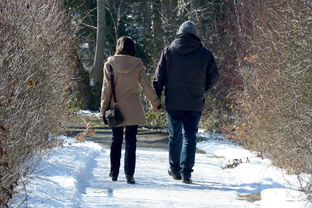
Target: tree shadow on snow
(244, 188)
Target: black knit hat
(187, 27)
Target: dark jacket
(187, 70)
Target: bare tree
(274, 51)
(36, 74)
(97, 71)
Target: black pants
(130, 149)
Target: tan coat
(128, 74)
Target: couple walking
(186, 70)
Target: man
(187, 70)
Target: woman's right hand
(153, 109)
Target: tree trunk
(97, 71)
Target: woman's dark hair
(125, 45)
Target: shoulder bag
(113, 116)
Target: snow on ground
(76, 175)
(90, 113)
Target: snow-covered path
(154, 188)
(76, 175)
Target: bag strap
(111, 74)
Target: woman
(128, 74)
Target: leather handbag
(113, 116)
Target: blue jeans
(182, 149)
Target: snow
(90, 113)
(76, 175)
(254, 174)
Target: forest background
(49, 70)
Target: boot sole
(175, 177)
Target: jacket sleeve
(148, 89)
(106, 90)
(212, 74)
(160, 74)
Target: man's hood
(124, 63)
(185, 44)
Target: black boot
(187, 180)
(114, 178)
(174, 175)
(130, 180)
